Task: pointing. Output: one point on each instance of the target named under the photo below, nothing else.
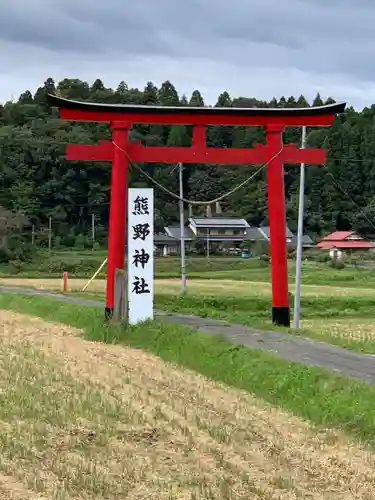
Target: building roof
(163, 238)
(266, 231)
(218, 222)
(306, 240)
(175, 232)
(221, 238)
(327, 245)
(172, 234)
(338, 236)
(253, 233)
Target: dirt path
(84, 420)
(298, 349)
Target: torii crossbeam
(122, 117)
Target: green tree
(36, 179)
(196, 99)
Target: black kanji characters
(141, 231)
(140, 257)
(140, 286)
(141, 206)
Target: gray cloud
(259, 47)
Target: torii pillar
(117, 210)
(274, 154)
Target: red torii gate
(122, 117)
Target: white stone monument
(140, 255)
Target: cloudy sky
(260, 48)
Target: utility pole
(50, 233)
(208, 243)
(182, 231)
(33, 234)
(93, 228)
(297, 296)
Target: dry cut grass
(83, 420)
(196, 287)
(354, 329)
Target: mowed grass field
(87, 420)
(83, 264)
(195, 286)
(337, 306)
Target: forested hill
(38, 182)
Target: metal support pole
(297, 296)
(182, 232)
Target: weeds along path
(90, 421)
(293, 348)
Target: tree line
(37, 182)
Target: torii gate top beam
(321, 116)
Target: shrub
(337, 264)
(261, 247)
(24, 253)
(80, 241)
(57, 242)
(316, 255)
(323, 258)
(16, 265)
(17, 249)
(265, 258)
(5, 255)
(69, 239)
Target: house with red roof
(340, 241)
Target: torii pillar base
(281, 316)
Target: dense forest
(39, 186)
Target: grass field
(336, 314)
(218, 287)
(83, 264)
(85, 420)
(338, 306)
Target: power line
(350, 197)
(354, 160)
(192, 202)
(360, 209)
(67, 202)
